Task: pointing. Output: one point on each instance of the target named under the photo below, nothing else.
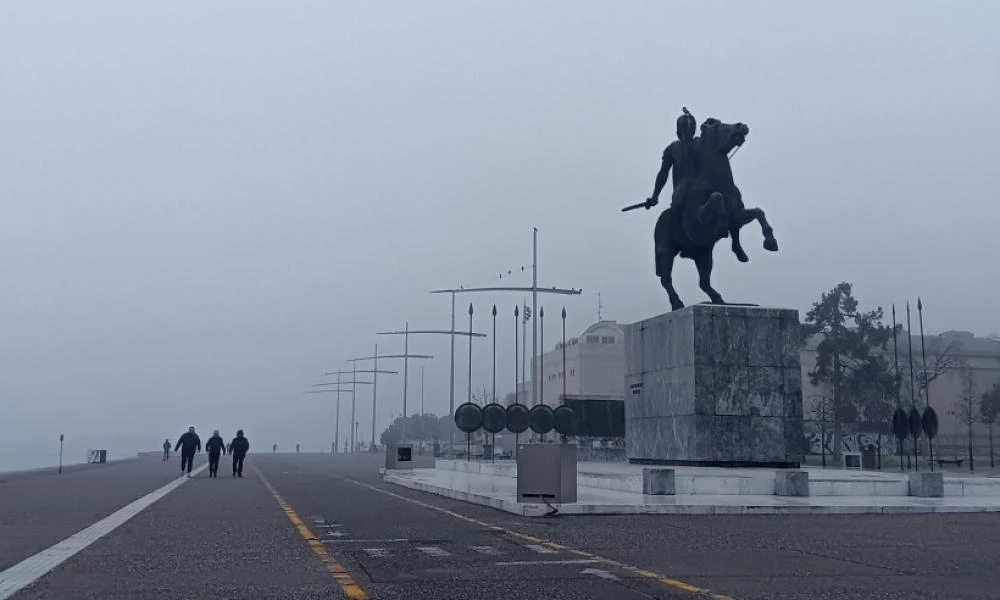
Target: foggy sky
(206, 205)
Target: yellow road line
(668, 581)
(340, 574)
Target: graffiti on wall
(852, 442)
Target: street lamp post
(564, 373)
(406, 356)
(374, 371)
(452, 333)
(494, 398)
(534, 289)
(528, 396)
(328, 388)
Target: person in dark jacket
(215, 447)
(166, 450)
(189, 444)
(238, 449)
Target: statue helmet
(686, 125)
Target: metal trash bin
(869, 459)
(546, 473)
(398, 456)
(852, 460)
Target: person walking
(238, 450)
(215, 447)
(166, 450)
(189, 444)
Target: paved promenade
(322, 526)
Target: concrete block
(927, 485)
(658, 482)
(791, 483)
(714, 385)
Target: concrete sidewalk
(616, 489)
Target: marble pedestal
(715, 386)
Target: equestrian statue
(705, 206)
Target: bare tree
(483, 396)
(989, 411)
(944, 355)
(822, 412)
(966, 407)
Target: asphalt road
(228, 539)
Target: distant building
(595, 366)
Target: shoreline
(67, 468)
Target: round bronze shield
(468, 417)
(517, 418)
(565, 420)
(541, 419)
(494, 418)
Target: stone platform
(616, 488)
(714, 386)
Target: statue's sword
(635, 206)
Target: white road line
(490, 550)
(34, 567)
(601, 573)
(433, 551)
(366, 541)
(540, 549)
(518, 563)
(377, 552)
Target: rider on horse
(681, 155)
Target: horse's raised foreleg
(703, 260)
(770, 244)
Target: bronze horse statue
(711, 209)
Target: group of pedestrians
(189, 444)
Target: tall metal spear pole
(895, 365)
(541, 358)
(927, 394)
(913, 398)
(516, 366)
